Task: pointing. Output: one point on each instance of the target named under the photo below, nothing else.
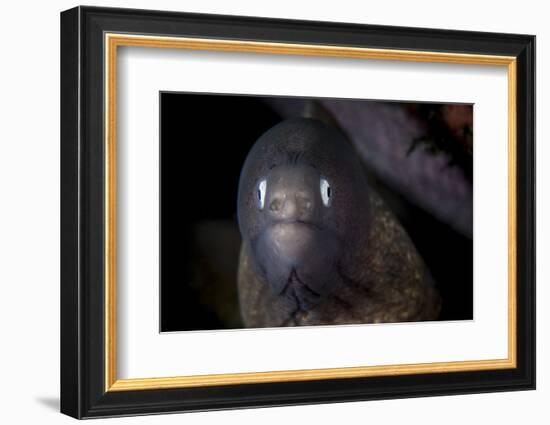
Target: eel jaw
(300, 293)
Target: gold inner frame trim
(112, 41)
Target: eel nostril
(304, 203)
(288, 206)
(275, 205)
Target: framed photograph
(261, 212)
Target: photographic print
(259, 212)
(293, 211)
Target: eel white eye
(260, 193)
(325, 191)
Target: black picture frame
(83, 393)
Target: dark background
(204, 142)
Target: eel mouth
(297, 260)
(300, 293)
(292, 241)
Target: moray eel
(319, 246)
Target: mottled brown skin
(369, 272)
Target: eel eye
(325, 191)
(260, 193)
